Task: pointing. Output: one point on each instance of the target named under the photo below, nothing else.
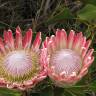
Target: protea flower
(69, 57)
(22, 65)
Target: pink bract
(69, 57)
(22, 64)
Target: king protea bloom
(22, 64)
(69, 57)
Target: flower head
(22, 64)
(69, 57)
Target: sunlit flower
(22, 65)
(69, 57)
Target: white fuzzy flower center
(18, 63)
(66, 61)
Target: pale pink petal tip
(37, 42)
(69, 57)
(71, 39)
(27, 39)
(18, 38)
(45, 43)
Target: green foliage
(62, 15)
(93, 86)
(89, 1)
(47, 92)
(87, 13)
(7, 92)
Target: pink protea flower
(69, 57)
(22, 65)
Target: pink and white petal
(83, 44)
(27, 39)
(68, 81)
(51, 70)
(71, 39)
(63, 74)
(10, 86)
(18, 38)
(2, 48)
(52, 38)
(69, 78)
(28, 83)
(84, 51)
(6, 40)
(52, 44)
(45, 43)
(40, 78)
(58, 34)
(11, 40)
(77, 42)
(22, 88)
(88, 44)
(37, 42)
(52, 74)
(43, 58)
(2, 85)
(88, 59)
(91, 61)
(2, 82)
(19, 86)
(89, 54)
(83, 72)
(63, 39)
(88, 62)
(73, 80)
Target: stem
(25, 93)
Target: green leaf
(76, 91)
(93, 86)
(89, 2)
(8, 92)
(35, 94)
(94, 46)
(68, 93)
(62, 15)
(88, 13)
(47, 92)
(87, 33)
(93, 66)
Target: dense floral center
(66, 61)
(19, 65)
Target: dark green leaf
(62, 15)
(88, 13)
(89, 2)
(87, 33)
(47, 92)
(67, 93)
(8, 92)
(76, 91)
(93, 86)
